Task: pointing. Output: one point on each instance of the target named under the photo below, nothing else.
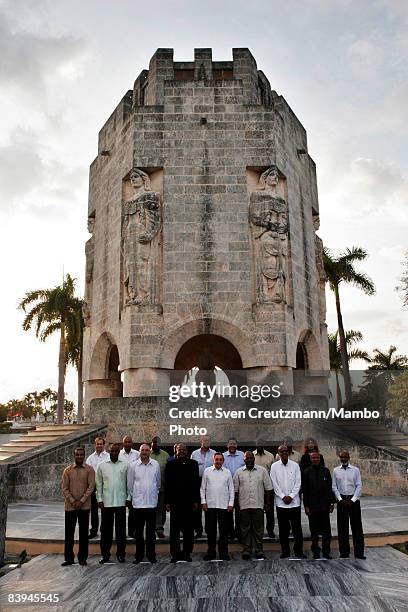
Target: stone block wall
(204, 125)
(36, 475)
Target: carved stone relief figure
(142, 223)
(269, 229)
(321, 274)
(89, 267)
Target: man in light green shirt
(161, 457)
(112, 494)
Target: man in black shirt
(318, 499)
(181, 496)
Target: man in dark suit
(318, 499)
(181, 496)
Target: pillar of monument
(203, 212)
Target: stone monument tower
(203, 213)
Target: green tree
(340, 269)
(3, 412)
(384, 368)
(336, 364)
(75, 338)
(51, 311)
(397, 404)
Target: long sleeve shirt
(143, 481)
(94, 460)
(77, 484)
(233, 461)
(111, 483)
(347, 482)
(217, 489)
(130, 457)
(317, 488)
(182, 482)
(286, 480)
(204, 460)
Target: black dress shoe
(260, 556)
(82, 563)
(208, 557)
(66, 563)
(103, 560)
(172, 560)
(360, 557)
(344, 556)
(328, 557)
(92, 534)
(225, 558)
(284, 556)
(316, 556)
(188, 559)
(152, 560)
(301, 556)
(246, 556)
(121, 559)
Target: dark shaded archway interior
(207, 351)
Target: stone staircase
(34, 439)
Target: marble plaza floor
(45, 521)
(379, 583)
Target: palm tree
(340, 269)
(336, 365)
(75, 337)
(387, 361)
(52, 310)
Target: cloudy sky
(342, 66)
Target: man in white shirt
(204, 457)
(217, 500)
(98, 456)
(144, 486)
(286, 480)
(253, 490)
(129, 455)
(347, 489)
(233, 460)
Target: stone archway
(207, 353)
(104, 372)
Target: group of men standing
(150, 483)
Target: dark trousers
(142, 517)
(270, 521)
(71, 518)
(234, 531)
(345, 514)
(181, 520)
(252, 529)
(131, 523)
(198, 518)
(94, 513)
(115, 515)
(213, 517)
(319, 523)
(290, 518)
